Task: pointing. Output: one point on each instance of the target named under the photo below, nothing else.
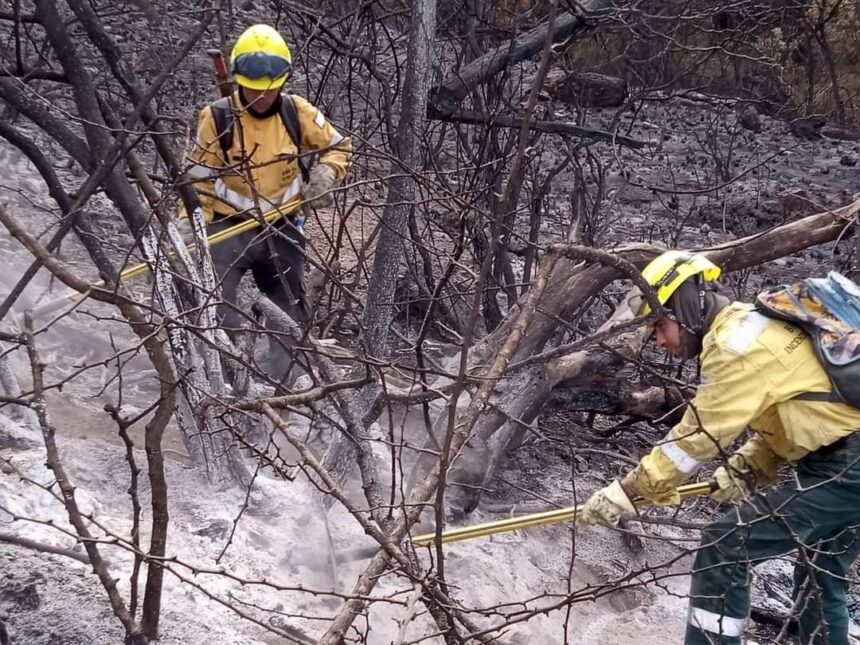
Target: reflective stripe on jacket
(271, 159)
(752, 367)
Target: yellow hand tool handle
(143, 267)
(538, 519)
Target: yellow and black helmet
(261, 59)
(668, 271)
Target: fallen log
(532, 375)
(444, 99)
(588, 89)
(551, 127)
(616, 397)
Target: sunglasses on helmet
(256, 65)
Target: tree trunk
(379, 309)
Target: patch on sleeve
(749, 329)
(319, 119)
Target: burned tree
(469, 291)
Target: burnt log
(843, 134)
(550, 127)
(589, 89)
(444, 99)
(749, 118)
(807, 127)
(533, 374)
(620, 397)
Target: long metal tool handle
(143, 267)
(538, 519)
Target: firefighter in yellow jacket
(762, 374)
(253, 166)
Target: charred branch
(17, 17)
(540, 125)
(35, 545)
(445, 98)
(35, 73)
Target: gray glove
(732, 485)
(322, 181)
(608, 507)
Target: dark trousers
(275, 258)
(820, 520)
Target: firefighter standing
(753, 368)
(260, 171)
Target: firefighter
(248, 161)
(758, 373)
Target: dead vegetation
(466, 278)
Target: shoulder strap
(290, 117)
(835, 395)
(222, 113)
(820, 397)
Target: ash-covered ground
(281, 537)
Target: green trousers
(819, 519)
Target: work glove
(731, 481)
(322, 181)
(608, 506)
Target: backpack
(222, 113)
(828, 309)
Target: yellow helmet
(261, 59)
(668, 271)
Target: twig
(134, 631)
(41, 546)
(542, 125)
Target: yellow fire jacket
(751, 368)
(262, 159)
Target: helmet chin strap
(695, 305)
(688, 305)
(700, 284)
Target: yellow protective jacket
(275, 177)
(751, 368)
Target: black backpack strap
(817, 397)
(820, 397)
(290, 117)
(222, 114)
